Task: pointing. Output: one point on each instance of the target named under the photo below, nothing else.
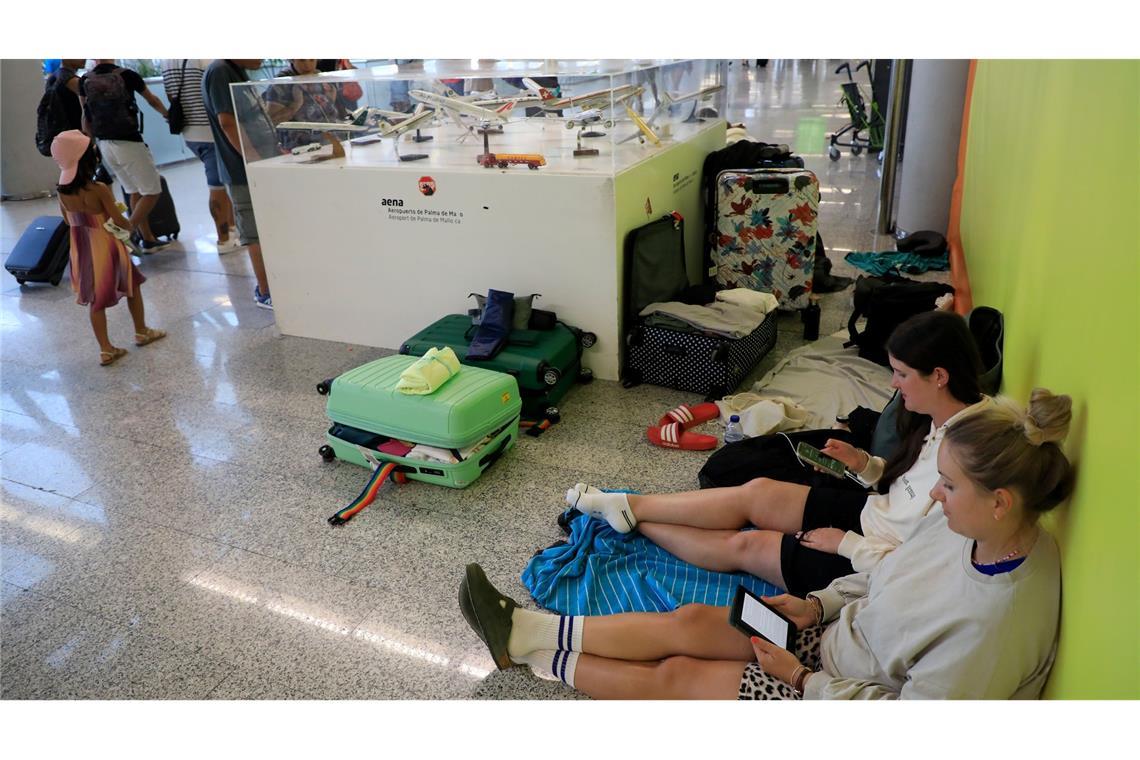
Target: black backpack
(110, 104)
(887, 302)
(51, 116)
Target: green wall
(1050, 209)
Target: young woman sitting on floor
(966, 608)
(811, 535)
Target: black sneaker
(151, 246)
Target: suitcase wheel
(327, 453)
(553, 414)
(324, 386)
(588, 339)
(551, 376)
(585, 376)
(19, 281)
(55, 280)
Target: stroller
(860, 122)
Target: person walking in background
(101, 268)
(182, 81)
(240, 121)
(111, 116)
(66, 81)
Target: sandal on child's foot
(112, 356)
(149, 336)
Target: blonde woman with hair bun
(967, 607)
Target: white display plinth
(357, 253)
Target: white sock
(547, 663)
(532, 631)
(611, 507)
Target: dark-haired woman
(101, 268)
(809, 536)
(966, 608)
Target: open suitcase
(766, 232)
(544, 362)
(474, 416)
(704, 363)
(42, 252)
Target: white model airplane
(591, 116)
(588, 100)
(456, 108)
(381, 126)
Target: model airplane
(369, 123)
(456, 108)
(588, 100)
(591, 116)
(644, 131)
(668, 100)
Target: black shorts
(806, 570)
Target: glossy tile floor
(163, 520)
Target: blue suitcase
(41, 253)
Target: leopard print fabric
(756, 684)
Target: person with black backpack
(59, 109)
(111, 116)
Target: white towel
(752, 299)
(427, 453)
(760, 416)
(720, 317)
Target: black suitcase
(712, 365)
(163, 217)
(41, 253)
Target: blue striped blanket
(599, 571)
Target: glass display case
(579, 117)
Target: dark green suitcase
(477, 409)
(544, 362)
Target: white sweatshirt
(925, 624)
(887, 519)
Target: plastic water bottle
(732, 431)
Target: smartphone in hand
(811, 454)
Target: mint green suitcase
(477, 406)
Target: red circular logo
(427, 185)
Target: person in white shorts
(110, 115)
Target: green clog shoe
(488, 612)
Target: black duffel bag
(887, 302)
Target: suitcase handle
(768, 186)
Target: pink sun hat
(66, 149)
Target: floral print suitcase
(765, 232)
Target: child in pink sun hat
(102, 271)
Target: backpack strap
(181, 78)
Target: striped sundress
(101, 268)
